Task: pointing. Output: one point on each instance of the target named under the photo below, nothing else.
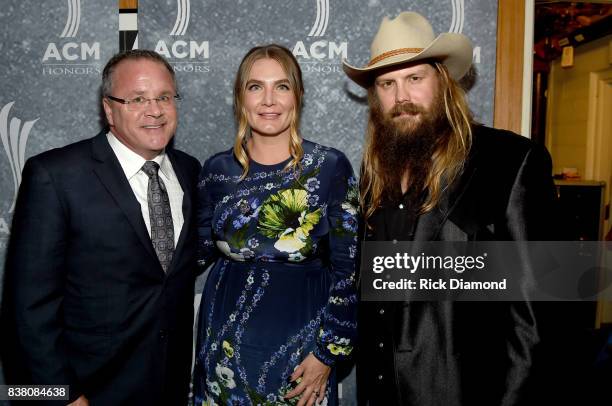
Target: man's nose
(153, 108)
(402, 94)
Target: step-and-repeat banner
(206, 40)
(54, 51)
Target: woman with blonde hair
(278, 217)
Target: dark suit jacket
(85, 297)
(461, 353)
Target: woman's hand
(312, 386)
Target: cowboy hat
(409, 38)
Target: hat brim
(453, 50)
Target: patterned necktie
(162, 229)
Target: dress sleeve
(337, 334)
(206, 208)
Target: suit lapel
(113, 178)
(429, 225)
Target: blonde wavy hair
(447, 160)
(290, 65)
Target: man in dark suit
(430, 173)
(101, 264)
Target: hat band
(394, 52)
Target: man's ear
(108, 112)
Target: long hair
(447, 160)
(290, 65)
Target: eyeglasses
(139, 103)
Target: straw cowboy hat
(409, 38)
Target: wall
(568, 104)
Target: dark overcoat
(448, 353)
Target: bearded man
(431, 173)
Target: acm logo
(67, 57)
(14, 135)
(316, 53)
(185, 56)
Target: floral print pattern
(285, 216)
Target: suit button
(380, 377)
(381, 311)
(381, 344)
(163, 334)
(401, 206)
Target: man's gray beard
(407, 144)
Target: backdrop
(53, 53)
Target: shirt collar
(131, 162)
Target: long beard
(407, 145)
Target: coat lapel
(113, 178)
(430, 224)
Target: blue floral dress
(283, 283)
